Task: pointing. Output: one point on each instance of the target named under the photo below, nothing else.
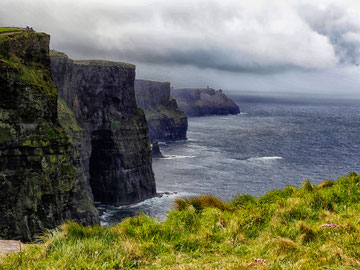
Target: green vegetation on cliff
(67, 118)
(312, 227)
(41, 181)
(103, 63)
(159, 111)
(4, 30)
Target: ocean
(272, 143)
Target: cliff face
(41, 178)
(207, 101)
(117, 151)
(165, 120)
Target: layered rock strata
(42, 182)
(117, 152)
(204, 101)
(165, 120)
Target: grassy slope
(283, 227)
(10, 29)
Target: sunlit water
(271, 144)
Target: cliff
(204, 101)
(165, 120)
(116, 152)
(42, 182)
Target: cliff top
(58, 53)
(150, 81)
(196, 89)
(104, 63)
(93, 62)
(26, 52)
(10, 29)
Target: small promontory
(165, 120)
(204, 101)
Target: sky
(259, 46)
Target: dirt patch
(9, 246)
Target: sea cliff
(165, 120)
(42, 182)
(204, 101)
(116, 152)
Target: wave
(242, 113)
(177, 157)
(264, 158)
(162, 197)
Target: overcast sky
(299, 46)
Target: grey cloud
(226, 43)
(339, 26)
(222, 35)
(200, 58)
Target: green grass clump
(10, 29)
(283, 227)
(57, 53)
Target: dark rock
(156, 153)
(42, 182)
(116, 152)
(165, 120)
(204, 101)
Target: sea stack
(156, 153)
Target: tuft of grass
(326, 183)
(10, 29)
(283, 227)
(307, 233)
(200, 203)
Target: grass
(104, 63)
(10, 29)
(57, 53)
(283, 227)
(162, 111)
(33, 74)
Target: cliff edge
(165, 120)
(204, 101)
(116, 153)
(42, 182)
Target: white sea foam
(177, 157)
(242, 113)
(264, 158)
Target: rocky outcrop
(117, 151)
(165, 120)
(204, 101)
(42, 182)
(156, 153)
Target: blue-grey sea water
(273, 143)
